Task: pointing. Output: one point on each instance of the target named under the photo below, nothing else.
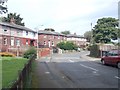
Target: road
(73, 70)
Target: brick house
(50, 39)
(16, 36)
(80, 41)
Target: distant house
(80, 41)
(51, 39)
(14, 36)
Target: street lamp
(37, 41)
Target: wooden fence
(23, 76)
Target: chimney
(74, 33)
(12, 20)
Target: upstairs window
(26, 32)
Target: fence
(22, 76)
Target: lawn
(10, 67)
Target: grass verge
(10, 67)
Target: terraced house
(14, 36)
(51, 39)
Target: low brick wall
(44, 52)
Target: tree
(3, 9)
(49, 29)
(17, 19)
(88, 35)
(65, 32)
(105, 30)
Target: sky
(75, 16)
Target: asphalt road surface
(74, 70)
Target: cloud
(73, 15)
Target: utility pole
(91, 41)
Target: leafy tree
(65, 32)
(17, 19)
(88, 35)
(3, 9)
(105, 30)
(49, 29)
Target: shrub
(94, 51)
(67, 45)
(30, 52)
(7, 54)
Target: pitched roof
(16, 26)
(49, 32)
(76, 36)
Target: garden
(12, 66)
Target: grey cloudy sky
(61, 15)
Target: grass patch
(10, 67)
(35, 82)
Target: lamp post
(37, 41)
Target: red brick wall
(44, 52)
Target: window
(12, 41)
(5, 30)
(52, 43)
(45, 36)
(17, 42)
(26, 32)
(33, 34)
(26, 42)
(44, 43)
(5, 41)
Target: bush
(30, 52)
(67, 45)
(7, 54)
(94, 51)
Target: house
(16, 36)
(49, 38)
(80, 41)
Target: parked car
(112, 58)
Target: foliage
(3, 9)
(94, 51)
(10, 67)
(67, 45)
(17, 19)
(88, 35)
(65, 32)
(49, 29)
(30, 52)
(7, 54)
(105, 30)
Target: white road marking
(47, 72)
(89, 67)
(117, 77)
(71, 60)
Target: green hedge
(30, 52)
(94, 51)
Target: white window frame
(18, 42)
(12, 41)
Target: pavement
(85, 55)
